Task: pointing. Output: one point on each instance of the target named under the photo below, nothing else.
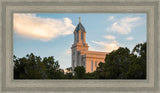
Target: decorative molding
(150, 7)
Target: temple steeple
(80, 33)
(79, 19)
(79, 44)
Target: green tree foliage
(79, 72)
(137, 68)
(33, 67)
(121, 64)
(90, 75)
(69, 75)
(116, 64)
(69, 69)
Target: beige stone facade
(81, 56)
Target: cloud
(124, 25)
(130, 38)
(111, 18)
(68, 52)
(109, 37)
(105, 46)
(44, 29)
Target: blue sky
(52, 34)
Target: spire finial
(79, 19)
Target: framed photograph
(82, 51)
(80, 46)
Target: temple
(81, 56)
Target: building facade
(81, 56)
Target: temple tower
(79, 44)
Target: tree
(116, 64)
(79, 72)
(52, 68)
(69, 74)
(69, 69)
(28, 67)
(121, 64)
(33, 67)
(90, 75)
(137, 68)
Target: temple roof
(80, 27)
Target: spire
(79, 19)
(80, 26)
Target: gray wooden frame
(150, 7)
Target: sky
(52, 34)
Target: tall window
(91, 66)
(84, 64)
(74, 54)
(75, 36)
(96, 64)
(82, 35)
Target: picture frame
(150, 7)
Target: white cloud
(44, 29)
(124, 25)
(130, 38)
(109, 37)
(111, 18)
(68, 52)
(105, 46)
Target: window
(91, 66)
(82, 35)
(74, 54)
(96, 64)
(84, 64)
